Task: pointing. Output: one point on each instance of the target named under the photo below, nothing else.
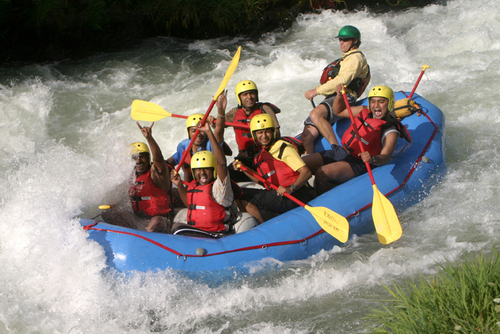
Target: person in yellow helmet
(379, 130)
(208, 195)
(150, 191)
(351, 70)
(201, 142)
(249, 106)
(278, 161)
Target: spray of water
(66, 127)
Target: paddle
(330, 221)
(384, 216)
(225, 80)
(151, 112)
(424, 67)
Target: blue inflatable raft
(413, 171)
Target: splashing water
(65, 130)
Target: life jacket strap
(196, 207)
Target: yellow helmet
(193, 120)
(139, 147)
(245, 86)
(260, 122)
(204, 159)
(385, 92)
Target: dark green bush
(55, 29)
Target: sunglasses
(345, 39)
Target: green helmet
(349, 32)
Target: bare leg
(308, 136)
(318, 116)
(331, 175)
(157, 224)
(255, 212)
(241, 204)
(128, 219)
(313, 161)
(120, 218)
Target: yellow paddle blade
(229, 73)
(330, 221)
(385, 218)
(104, 207)
(147, 111)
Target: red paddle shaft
(424, 67)
(234, 125)
(362, 149)
(186, 152)
(261, 179)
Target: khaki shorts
(328, 103)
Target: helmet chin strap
(271, 143)
(354, 45)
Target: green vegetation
(461, 298)
(56, 29)
(49, 28)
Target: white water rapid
(65, 127)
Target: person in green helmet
(351, 70)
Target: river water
(65, 128)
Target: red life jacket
(370, 131)
(357, 85)
(147, 199)
(203, 212)
(299, 145)
(244, 137)
(279, 173)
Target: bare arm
(176, 179)
(171, 161)
(236, 166)
(339, 107)
(221, 122)
(385, 155)
(219, 154)
(158, 161)
(304, 175)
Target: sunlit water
(65, 128)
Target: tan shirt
(352, 67)
(222, 191)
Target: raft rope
(273, 244)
